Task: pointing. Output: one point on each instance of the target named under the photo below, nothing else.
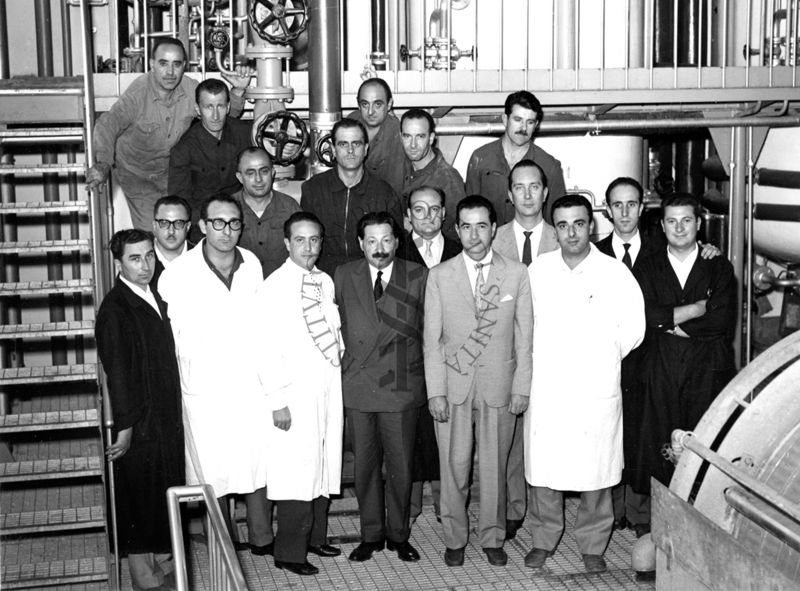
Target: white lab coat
(224, 407)
(585, 321)
(300, 368)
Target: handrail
(223, 565)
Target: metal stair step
(42, 246)
(53, 520)
(49, 421)
(36, 134)
(57, 468)
(47, 329)
(55, 572)
(44, 207)
(48, 373)
(46, 287)
(64, 167)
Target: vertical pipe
(553, 36)
(748, 274)
(748, 47)
(324, 72)
(603, 46)
(5, 67)
(649, 38)
(55, 271)
(577, 40)
(378, 11)
(724, 41)
(736, 208)
(395, 34)
(565, 29)
(675, 27)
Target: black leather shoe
(364, 551)
(454, 557)
(324, 550)
(512, 527)
(496, 556)
(299, 568)
(263, 550)
(640, 529)
(621, 523)
(405, 551)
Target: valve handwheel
(324, 150)
(278, 21)
(283, 135)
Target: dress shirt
(437, 248)
(386, 274)
(161, 257)
(437, 173)
(633, 251)
(472, 272)
(682, 268)
(536, 237)
(146, 294)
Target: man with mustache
(265, 209)
(135, 136)
(490, 165)
(381, 299)
(340, 197)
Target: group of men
(485, 327)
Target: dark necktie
(626, 258)
(377, 289)
(526, 249)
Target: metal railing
(223, 565)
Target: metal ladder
(53, 505)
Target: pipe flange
(281, 93)
(269, 52)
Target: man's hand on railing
(282, 418)
(123, 443)
(97, 175)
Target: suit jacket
(382, 368)
(492, 349)
(409, 251)
(506, 244)
(649, 246)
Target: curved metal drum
(755, 424)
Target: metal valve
(283, 135)
(218, 38)
(278, 21)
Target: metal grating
(28, 471)
(43, 246)
(46, 374)
(29, 522)
(47, 329)
(39, 288)
(48, 421)
(44, 207)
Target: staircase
(54, 514)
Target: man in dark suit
(478, 367)
(426, 245)
(136, 347)
(381, 300)
(171, 224)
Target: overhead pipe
(55, 269)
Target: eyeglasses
(420, 212)
(177, 224)
(219, 224)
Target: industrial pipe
(764, 516)
(784, 179)
(776, 212)
(378, 54)
(764, 278)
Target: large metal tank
(741, 473)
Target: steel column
(736, 229)
(324, 73)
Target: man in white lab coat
(299, 352)
(211, 291)
(588, 314)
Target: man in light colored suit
(523, 239)
(478, 345)
(381, 300)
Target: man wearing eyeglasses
(265, 209)
(171, 215)
(522, 239)
(211, 291)
(342, 196)
(425, 165)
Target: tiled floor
(386, 571)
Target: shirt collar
(135, 288)
(238, 259)
(173, 96)
(163, 259)
(635, 241)
(487, 260)
(386, 273)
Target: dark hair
(417, 113)
(526, 100)
(248, 151)
(348, 123)
(678, 200)
(220, 198)
(436, 190)
(161, 41)
(527, 163)
(475, 202)
(118, 241)
(376, 218)
(212, 86)
(377, 81)
(173, 200)
(301, 216)
(572, 200)
(624, 181)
